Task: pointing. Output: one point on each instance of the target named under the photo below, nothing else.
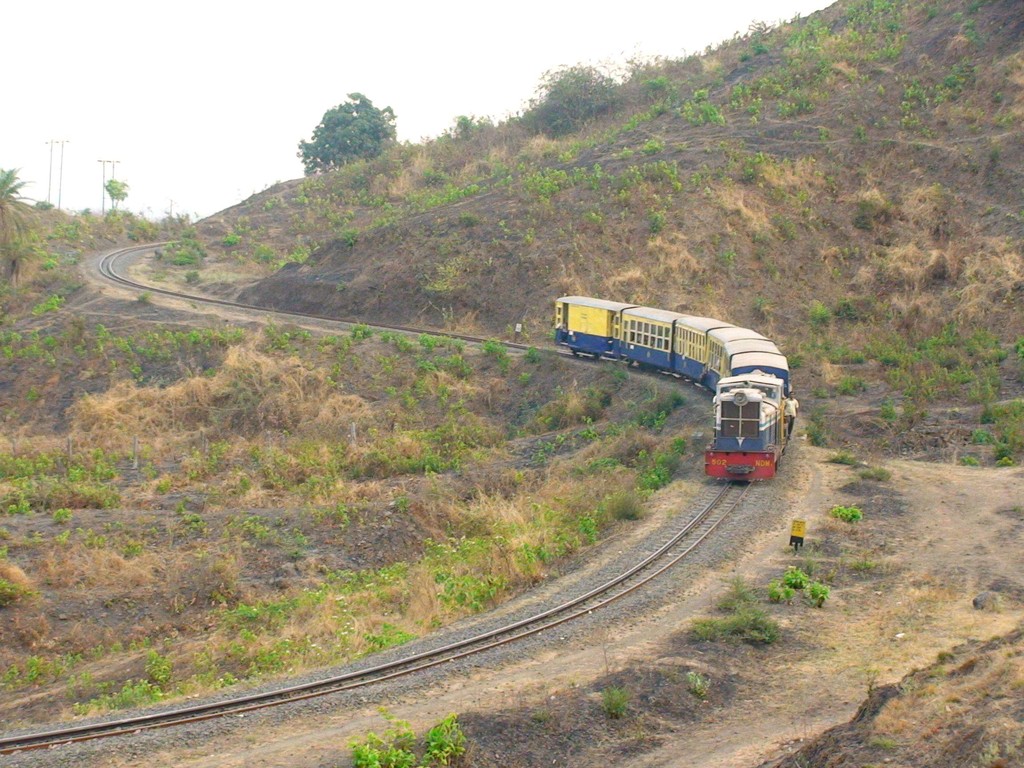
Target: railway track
(683, 538)
(108, 265)
(690, 532)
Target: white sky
(204, 103)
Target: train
(747, 373)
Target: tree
(118, 191)
(14, 218)
(568, 98)
(355, 130)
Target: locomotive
(745, 370)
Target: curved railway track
(108, 270)
(690, 531)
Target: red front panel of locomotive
(740, 465)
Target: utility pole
(49, 176)
(60, 178)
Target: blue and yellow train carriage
(691, 345)
(590, 326)
(646, 336)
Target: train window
(741, 421)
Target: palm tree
(14, 215)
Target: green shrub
(615, 701)
(817, 593)
(52, 304)
(818, 314)
(888, 412)
(850, 385)
(134, 693)
(61, 515)
(158, 669)
(850, 514)
(982, 437)
(697, 684)
(624, 505)
(361, 331)
(653, 146)
(795, 578)
(970, 461)
(843, 457)
(654, 413)
(779, 592)
(750, 625)
(445, 741)
(817, 432)
(740, 595)
(11, 592)
(569, 98)
(187, 252)
(496, 349)
(879, 474)
(700, 111)
(657, 220)
(660, 474)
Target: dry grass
(631, 281)
(994, 275)
(675, 263)
(918, 313)
(958, 47)
(77, 565)
(539, 148)
(928, 209)
(801, 175)
(249, 393)
(746, 204)
(12, 573)
(950, 698)
(424, 604)
(909, 266)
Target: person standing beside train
(791, 408)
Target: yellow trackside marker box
(796, 534)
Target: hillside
(851, 184)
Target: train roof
(587, 301)
(703, 324)
(750, 345)
(758, 377)
(766, 361)
(650, 313)
(733, 333)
